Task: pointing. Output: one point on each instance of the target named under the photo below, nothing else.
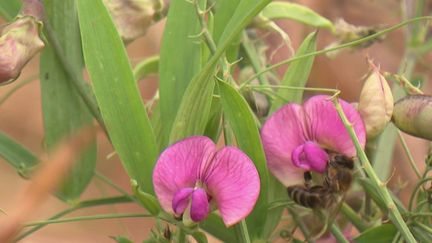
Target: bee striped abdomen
(314, 197)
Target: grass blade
(180, 60)
(63, 110)
(297, 12)
(117, 92)
(297, 74)
(194, 109)
(17, 155)
(241, 119)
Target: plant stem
(395, 215)
(338, 234)
(352, 216)
(83, 204)
(349, 44)
(86, 218)
(409, 155)
(242, 232)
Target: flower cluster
(192, 176)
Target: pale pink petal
(200, 207)
(326, 128)
(233, 182)
(281, 134)
(178, 167)
(310, 156)
(181, 200)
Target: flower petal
(281, 134)
(233, 182)
(310, 156)
(200, 207)
(178, 167)
(181, 200)
(327, 129)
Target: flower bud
(375, 103)
(19, 42)
(413, 115)
(133, 17)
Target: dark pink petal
(327, 129)
(178, 167)
(281, 134)
(233, 182)
(310, 156)
(181, 200)
(200, 207)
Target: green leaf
(224, 10)
(241, 119)
(146, 67)
(180, 60)
(214, 125)
(382, 233)
(297, 74)
(117, 92)
(194, 109)
(64, 112)
(9, 8)
(297, 12)
(17, 155)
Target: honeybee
(337, 180)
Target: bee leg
(308, 179)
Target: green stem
(337, 233)
(395, 215)
(353, 217)
(415, 190)
(16, 88)
(86, 218)
(110, 183)
(79, 83)
(242, 232)
(349, 44)
(424, 227)
(409, 155)
(81, 205)
(325, 90)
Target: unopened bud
(133, 17)
(19, 42)
(413, 115)
(375, 103)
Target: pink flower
(191, 176)
(299, 138)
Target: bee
(337, 180)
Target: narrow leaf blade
(241, 119)
(63, 109)
(117, 92)
(297, 12)
(297, 74)
(17, 155)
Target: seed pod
(133, 18)
(375, 103)
(413, 115)
(19, 42)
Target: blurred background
(20, 115)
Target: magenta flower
(191, 177)
(299, 138)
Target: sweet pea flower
(191, 176)
(299, 138)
